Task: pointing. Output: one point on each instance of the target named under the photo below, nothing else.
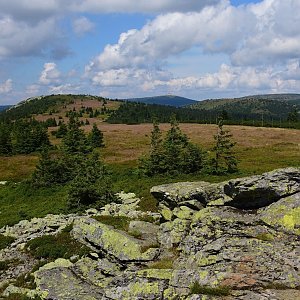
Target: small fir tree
(5, 140)
(91, 186)
(52, 170)
(154, 164)
(224, 160)
(95, 138)
(293, 116)
(75, 140)
(62, 130)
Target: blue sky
(129, 48)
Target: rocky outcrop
(237, 239)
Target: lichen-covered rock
(175, 193)
(112, 242)
(58, 281)
(244, 193)
(240, 236)
(226, 246)
(135, 289)
(13, 290)
(262, 190)
(284, 214)
(145, 231)
(26, 230)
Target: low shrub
(6, 264)
(56, 246)
(25, 281)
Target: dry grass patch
(17, 167)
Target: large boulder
(245, 193)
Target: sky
(198, 49)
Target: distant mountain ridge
(4, 107)
(170, 100)
(252, 110)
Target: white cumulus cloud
(6, 87)
(82, 25)
(50, 74)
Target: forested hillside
(248, 108)
(42, 104)
(254, 113)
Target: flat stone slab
(113, 242)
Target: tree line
(137, 113)
(28, 136)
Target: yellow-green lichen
(293, 281)
(115, 242)
(166, 213)
(207, 215)
(206, 260)
(58, 263)
(142, 289)
(170, 294)
(183, 212)
(203, 275)
(288, 218)
(218, 202)
(156, 273)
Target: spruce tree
(75, 140)
(5, 140)
(95, 138)
(154, 163)
(91, 186)
(224, 160)
(62, 130)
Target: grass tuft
(196, 288)
(267, 237)
(5, 241)
(118, 222)
(165, 263)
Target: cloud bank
(262, 46)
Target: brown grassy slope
(258, 149)
(77, 105)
